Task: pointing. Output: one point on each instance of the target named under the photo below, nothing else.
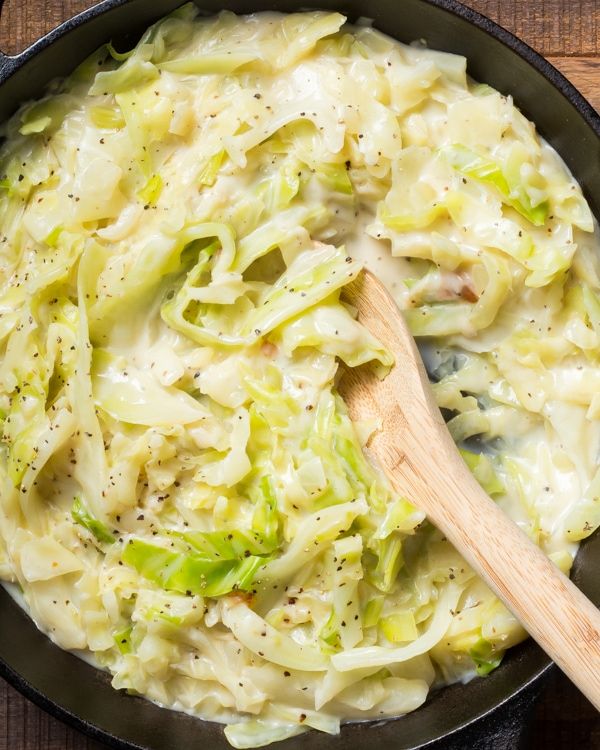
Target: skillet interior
(81, 695)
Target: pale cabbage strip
(184, 497)
(258, 636)
(375, 656)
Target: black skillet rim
(11, 63)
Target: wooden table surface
(567, 32)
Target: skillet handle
(7, 63)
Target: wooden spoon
(417, 453)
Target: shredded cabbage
(184, 496)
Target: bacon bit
(269, 350)
(451, 286)
(241, 597)
(468, 293)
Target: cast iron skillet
(482, 713)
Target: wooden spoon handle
(418, 454)
(551, 608)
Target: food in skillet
(184, 497)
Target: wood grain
(568, 32)
(556, 28)
(565, 31)
(584, 72)
(23, 726)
